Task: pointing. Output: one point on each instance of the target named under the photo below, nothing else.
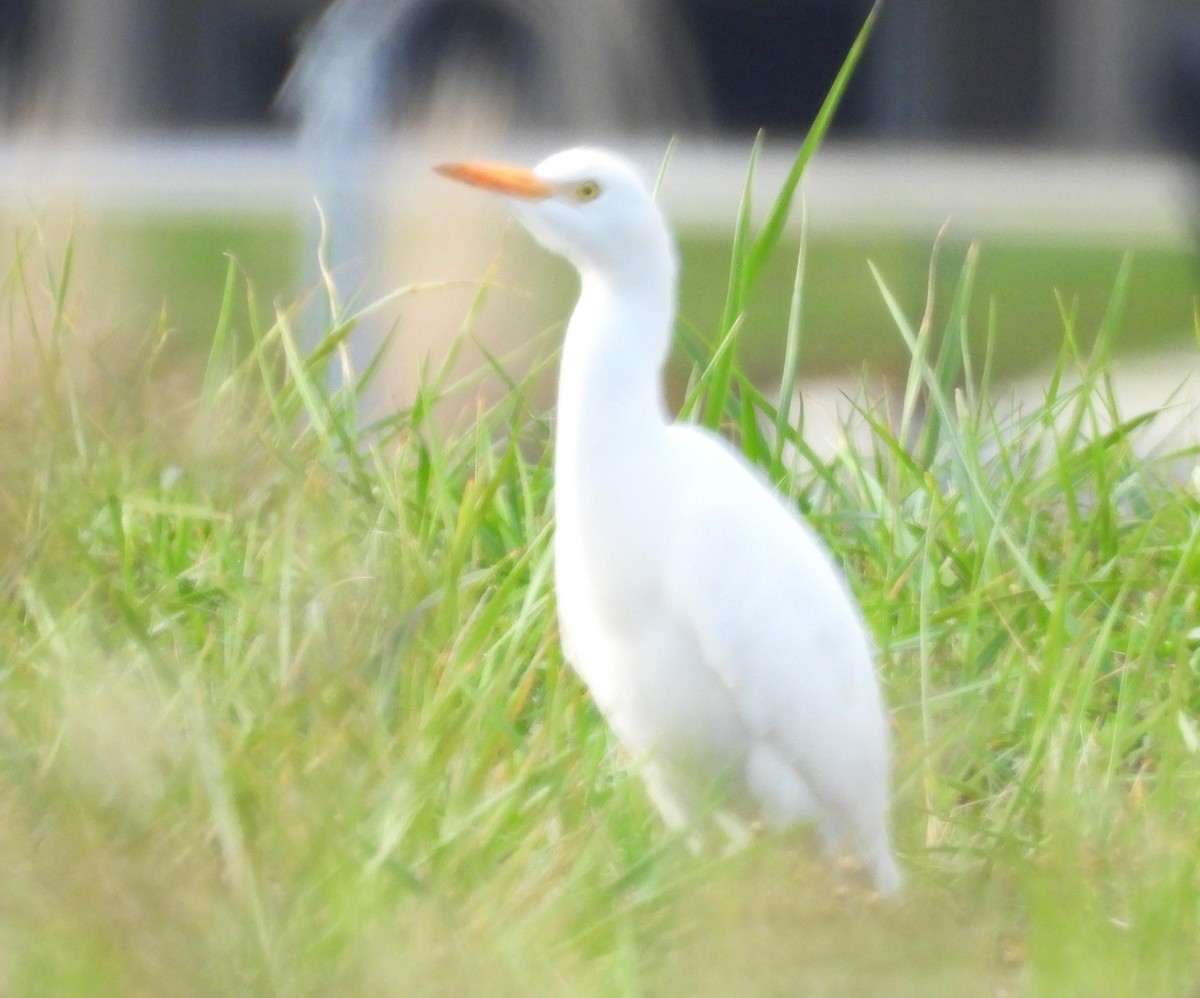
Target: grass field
(178, 263)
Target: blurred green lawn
(180, 262)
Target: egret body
(712, 627)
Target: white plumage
(707, 619)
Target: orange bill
(515, 181)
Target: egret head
(585, 204)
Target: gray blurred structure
(337, 90)
(1081, 74)
(1073, 73)
(366, 62)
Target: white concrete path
(1134, 199)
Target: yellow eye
(589, 190)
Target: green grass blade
(220, 355)
(791, 355)
(772, 229)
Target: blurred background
(1058, 134)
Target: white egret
(709, 622)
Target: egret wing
(770, 610)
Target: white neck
(610, 397)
